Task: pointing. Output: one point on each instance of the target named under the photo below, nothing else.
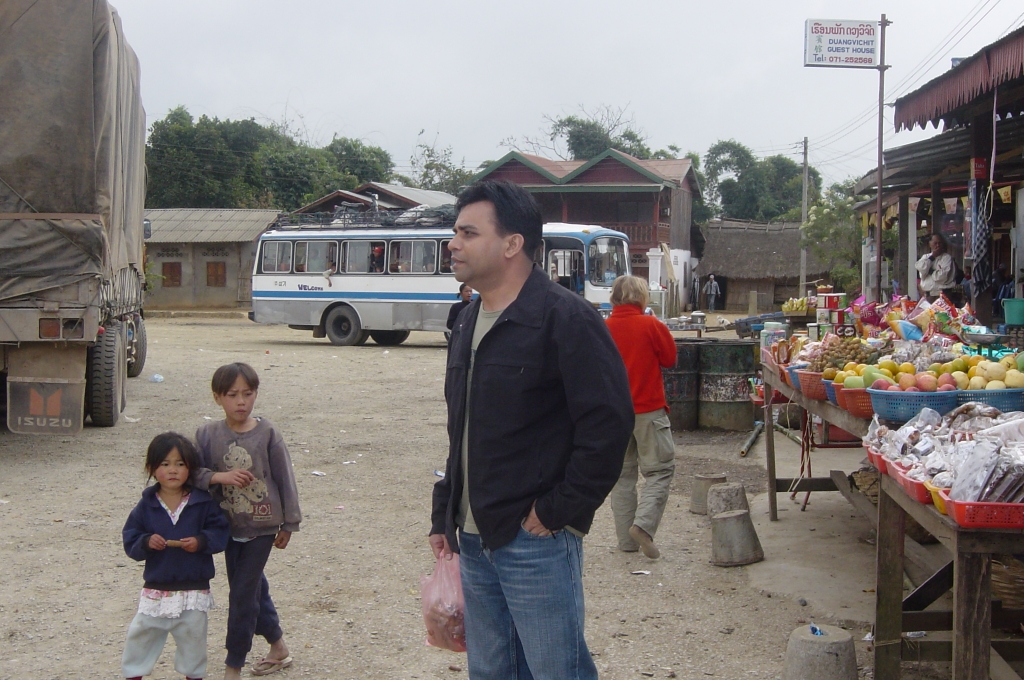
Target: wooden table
(827, 411)
(974, 652)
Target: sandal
(267, 666)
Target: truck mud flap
(47, 406)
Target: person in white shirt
(936, 270)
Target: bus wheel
(343, 327)
(389, 337)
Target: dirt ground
(372, 420)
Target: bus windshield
(607, 260)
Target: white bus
(350, 283)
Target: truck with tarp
(72, 193)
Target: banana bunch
(795, 305)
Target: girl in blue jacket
(176, 529)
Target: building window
(413, 257)
(171, 272)
(216, 275)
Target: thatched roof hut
(747, 256)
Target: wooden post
(938, 208)
(889, 587)
(972, 615)
(903, 245)
(769, 452)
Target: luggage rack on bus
(423, 218)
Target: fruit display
(795, 306)
(836, 352)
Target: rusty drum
(726, 367)
(682, 384)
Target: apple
(912, 389)
(926, 382)
(895, 388)
(880, 384)
(947, 379)
(908, 380)
(946, 388)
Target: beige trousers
(652, 452)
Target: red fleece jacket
(646, 345)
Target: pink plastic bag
(441, 594)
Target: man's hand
(239, 478)
(157, 542)
(190, 544)
(282, 538)
(439, 544)
(533, 524)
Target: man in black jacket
(539, 415)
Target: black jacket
(453, 313)
(551, 416)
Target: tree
(582, 137)
(434, 169)
(212, 163)
(702, 212)
(833, 235)
(741, 186)
(368, 163)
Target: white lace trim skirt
(169, 604)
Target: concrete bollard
(733, 540)
(829, 656)
(726, 497)
(699, 492)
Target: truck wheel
(104, 377)
(137, 361)
(387, 338)
(343, 327)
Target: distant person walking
(646, 346)
(711, 292)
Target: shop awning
(944, 96)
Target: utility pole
(879, 176)
(803, 220)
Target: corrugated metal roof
(415, 196)
(199, 225)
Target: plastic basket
(858, 402)
(794, 379)
(811, 385)
(984, 515)
(937, 499)
(1004, 400)
(899, 407)
(915, 489)
(830, 391)
(894, 470)
(878, 460)
(840, 401)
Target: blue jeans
(524, 608)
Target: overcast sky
(472, 73)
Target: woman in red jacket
(646, 347)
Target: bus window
(565, 267)
(315, 256)
(415, 257)
(362, 257)
(607, 261)
(277, 257)
(446, 257)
